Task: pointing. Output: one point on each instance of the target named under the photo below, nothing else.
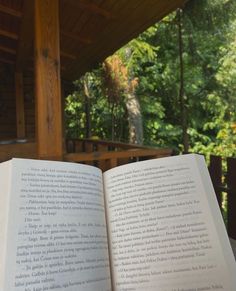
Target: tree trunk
(182, 97)
(112, 121)
(134, 118)
(87, 107)
(133, 109)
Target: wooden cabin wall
(29, 102)
(7, 102)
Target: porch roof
(90, 30)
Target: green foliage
(102, 112)
(209, 45)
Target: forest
(173, 86)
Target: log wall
(7, 102)
(8, 120)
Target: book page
(57, 238)
(4, 203)
(164, 234)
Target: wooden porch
(106, 155)
(103, 154)
(44, 47)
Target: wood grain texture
(10, 11)
(47, 81)
(26, 32)
(24, 150)
(90, 30)
(20, 110)
(99, 156)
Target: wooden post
(231, 183)
(47, 80)
(63, 117)
(113, 163)
(88, 148)
(20, 110)
(215, 170)
(103, 165)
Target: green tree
(206, 82)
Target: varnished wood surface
(110, 159)
(47, 81)
(89, 30)
(17, 150)
(20, 110)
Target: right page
(166, 230)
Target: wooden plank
(103, 164)
(17, 150)
(63, 100)
(70, 146)
(78, 147)
(215, 170)
(123, 161)
(10, 11)
(113, 163)
(7, 61)
(88, 148)
(75, 37)
(117, 145)
(114, 145)
(47, 81)
(231, 183)
(90, 7)
(25, 44)
(8, 34)
(130, 22)
(98, 156)
(7, 50)
(68, 55)
(20, 111)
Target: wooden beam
(25, 44)
(8, 34)
(76, 37)
(63, 101)
(47, 81)
(20, 110)
(67, 55)
(10, 11)
(7, 50)
(7, 61)
(99, 156)
(17, 150)
(91, 7)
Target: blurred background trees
(173, 86)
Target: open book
(152, 225)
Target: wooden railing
(103, 154)
(225, 187)
(18, 149)
(106, 154)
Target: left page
(57, 237)
(4, 197)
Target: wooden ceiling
(90, 30)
